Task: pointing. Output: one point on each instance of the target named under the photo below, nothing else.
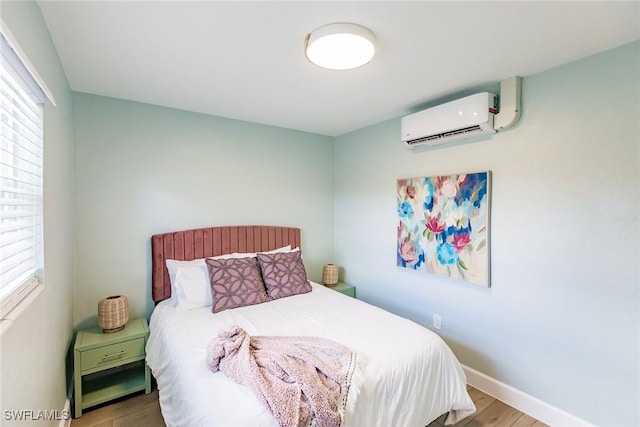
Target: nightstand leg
(147, 379)
(77, 385)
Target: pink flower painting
(443, 226)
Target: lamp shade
(341, 46)
(113, 313)
(330, 274)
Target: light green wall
(561, 319)
(33, 349)
(143, 169)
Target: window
(21, 161)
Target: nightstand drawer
(112, 353)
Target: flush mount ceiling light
(340, 46)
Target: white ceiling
(244, 60)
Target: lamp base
(111, 331)
(329, 285)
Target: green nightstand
(345, 288)
(108, 366)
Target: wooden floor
(491, 412)
(143, 410)
(138, 410)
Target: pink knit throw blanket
(298, 379)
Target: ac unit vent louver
(444, 135)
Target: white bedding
(411, 377)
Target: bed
(410, 377)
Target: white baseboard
(523, 402)
(66, 410)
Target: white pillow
(172, 267)
(190, 286)
(189, 281)
(253, 254)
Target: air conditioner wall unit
(463, 118)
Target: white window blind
(21, 161)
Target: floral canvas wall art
(443, 225)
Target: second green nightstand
(108, 366)
(345, 288)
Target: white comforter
(411, 377)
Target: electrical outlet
(437, 321)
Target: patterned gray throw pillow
(284, 274)
(235, 282)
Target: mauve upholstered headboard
(205, 242)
